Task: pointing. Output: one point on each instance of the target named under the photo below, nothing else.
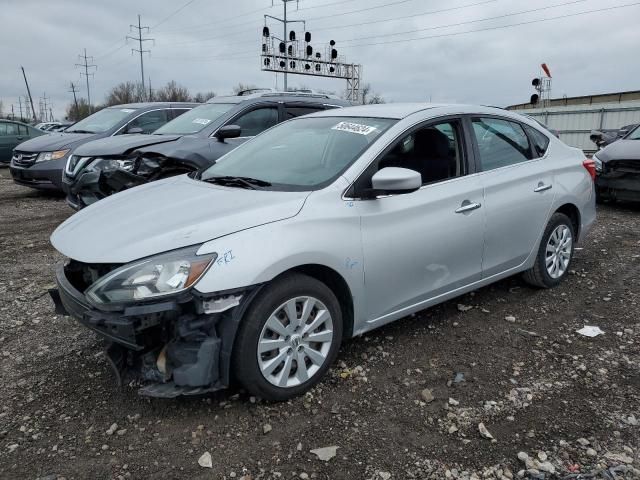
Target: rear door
(518, 192)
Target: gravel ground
(416, 399)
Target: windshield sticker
(202, 121)
(127, 110)
(354, 128)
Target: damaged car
(618, 169)
(323, 228)
(38, 163)
(192, 142)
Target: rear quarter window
(539, 140)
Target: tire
(274, 373)
(539, 275)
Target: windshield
(302, 154)
(101, 121)
(194, 120)
(635, 134)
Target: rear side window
(540, 141)
(501, 143)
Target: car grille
(626, 166)
(83, 275)
(24, 159)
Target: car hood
(165, 215)
(121, 144)
(54, 141)
(620, 150)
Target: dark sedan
(192, 142)
(38, 163)
(13, 133)
(618, 169)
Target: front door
(421, 245)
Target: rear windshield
(195, 120)
(101, 121)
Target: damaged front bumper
(92, 185)
(620, 180)
(180, 346)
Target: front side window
(434, 151)
(195, 120)
(303, 154)
(101, 121)
(634, 135)
(256, 121)
(148, 122)
(501, 143)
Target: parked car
(605, 137)
(321, 228)
(13, 133)
(61, 127)
(39, 163)
(45, 126)
(618, 169)
(191, 142)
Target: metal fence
(575, 122)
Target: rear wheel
(288, 338)
(554, 254)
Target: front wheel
(554, 254)
(288, 338)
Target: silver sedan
(322, 228)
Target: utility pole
(33, 110)
(75, 101)
(86, 73)
(44, 107)
(20, 103)
(284, 39)
(50, 114)
(13, 114)
(150, 91)
(140, 39)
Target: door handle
(542, 187)
(467, 206)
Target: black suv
(39, 162)
(192, 142)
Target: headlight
(598, 163)
(46, 156)
(107, 165)
(158, 276)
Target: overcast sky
(214, 44)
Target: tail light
(590, 165)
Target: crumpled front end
(103, 176)
(168, 347)
(619, 180)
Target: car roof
(8, 120)
(303, 97)
(141, 105)
(399, 111)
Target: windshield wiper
(243, 182)
(80, 131)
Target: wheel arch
(337, 284)
(572, 211)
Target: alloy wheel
(295, 342)
(559, 249)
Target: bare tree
(125, 92)
(75, 114)
(365, 90)
(202, 97)
(172, 92)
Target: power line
(86, 73)
(437, 27)
(174, 13)
(586, 12)
(404, 17)
(140, 39)
(375, 7)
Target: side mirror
(133, 130)
(394, 180)
(228, 131)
